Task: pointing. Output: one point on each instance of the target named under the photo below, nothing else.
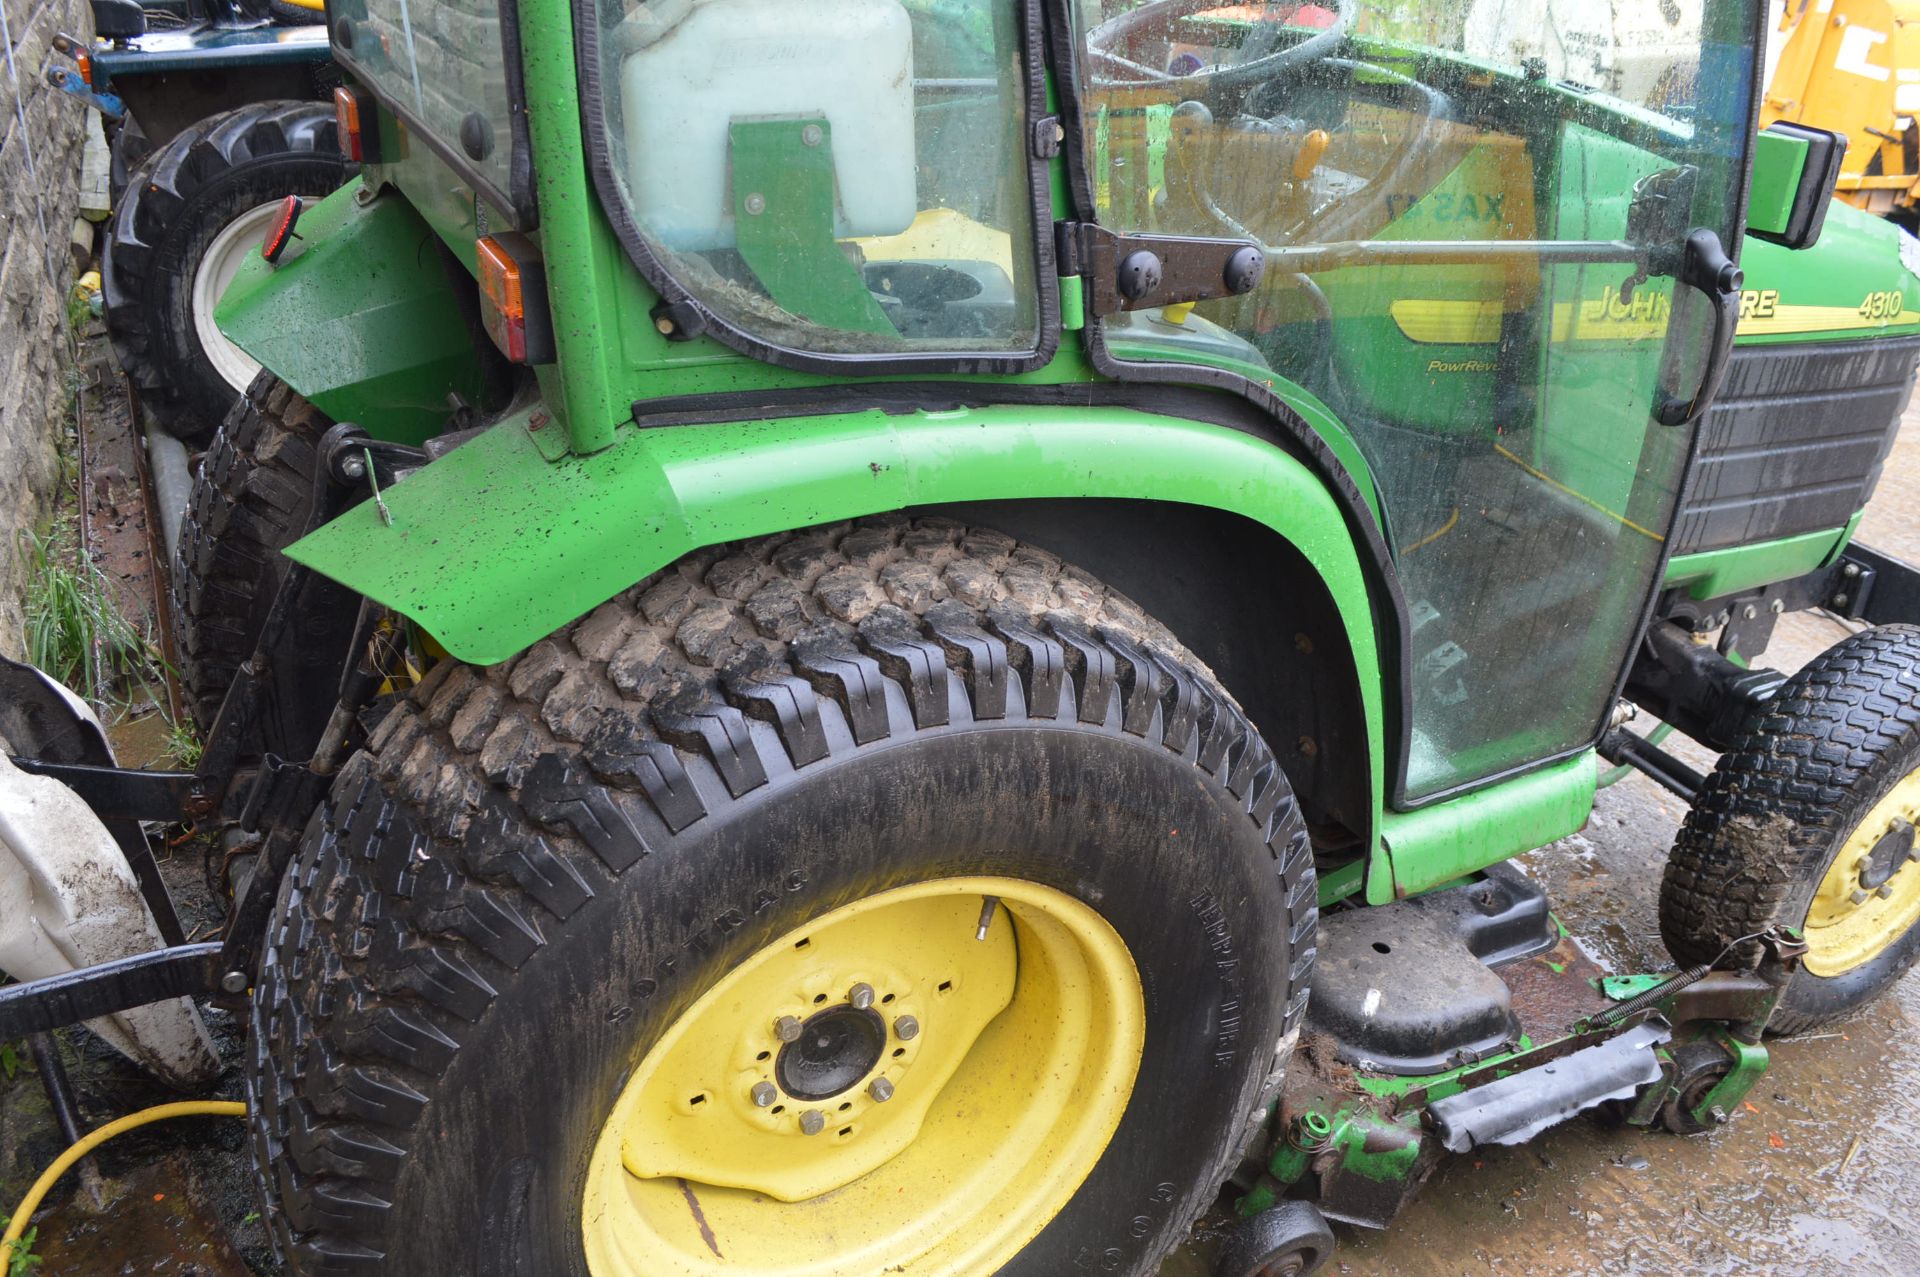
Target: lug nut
(861, 996)
(1885, 892)
(1858, 897)
(812, 1122)
(787, 1029)
(906, 1028)
(881, 1090)
(764, 1094)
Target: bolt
(1750, 611)
(787, 1029)
(881, 1090)
(906, 1028)
(1719, 1115)
(1851, 570)
(756, 203)
(1777, 606)
(812, 1122)
(354, 468)
(861, 995)
(234, 982)
(663, 326)
(764, 1095)
(1858, 897)
(1840, 600)
(812, 135)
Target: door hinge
(1134, 272)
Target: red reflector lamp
(359, 135)
(513, 297)
(280, 234)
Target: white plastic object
(68, 900)
(850, 61)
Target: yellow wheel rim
(1870, 896)
(917, 1082)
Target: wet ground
(1819, 1173)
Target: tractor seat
(118, 19)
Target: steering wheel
(1261, 60)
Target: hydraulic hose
(17, 1225)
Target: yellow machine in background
(1853, 66)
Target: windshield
(846, 177)
(1470, 210)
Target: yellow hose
(87, 1143)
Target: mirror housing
(1794, 171)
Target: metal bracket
(1134, 272)
(74, 85)
(182, 971)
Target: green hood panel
(1857, 281)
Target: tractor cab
(1504, 271)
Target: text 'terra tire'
(189, 216)
(886, 897)
(1809, 822)
(250, 500)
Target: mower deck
(1470, 1016)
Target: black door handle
(1705, 265)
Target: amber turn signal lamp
(513, 297)
(359, 135)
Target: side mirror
(1794, 169)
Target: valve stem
(988, 904)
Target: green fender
(493, 547)
(360, 317)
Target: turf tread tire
(383, 958)
(250, 500)
(1835, 738)
(174, 204)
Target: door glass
(845, 177)
(1446, 192)
(443, 63)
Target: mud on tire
(174, 206)
(1781, 805)
(515, 889)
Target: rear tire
(538, 867)
(1764, 834)
(251, 499)
(189, 215)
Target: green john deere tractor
(831, 611)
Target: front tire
(542, 872)
(189, 216)
(1808, 822)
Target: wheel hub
(917, 1077)
(1870, 896)
(836, 1050)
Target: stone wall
(39, 182)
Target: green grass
(21, 1261)
(74, 630)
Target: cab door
(1491, 234)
